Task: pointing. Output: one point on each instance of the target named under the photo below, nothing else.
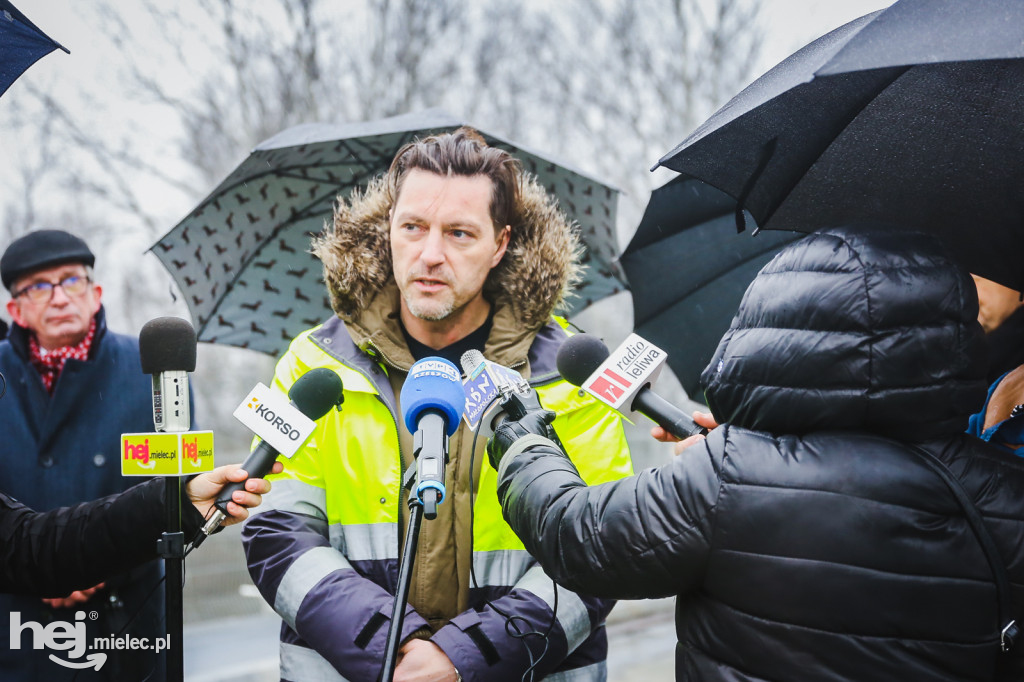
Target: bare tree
(608, 85)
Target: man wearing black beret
(73, 387)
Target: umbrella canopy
(687, 270)
(910, 115)
(21, 44)
(242, 256)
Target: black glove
(535, 421)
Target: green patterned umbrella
(241, 257)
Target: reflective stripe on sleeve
(596, 672)
(572, 612)
(501, 568)
(290, 495)
(302, 576)
(365, 541)
(303, 664)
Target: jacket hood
(864, 327)
(537, 273)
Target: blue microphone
(432, 404)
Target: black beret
(41, 249)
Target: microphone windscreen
(579, 357)
(470, 360)
(316, 392)
(167, 344)
(433, 384)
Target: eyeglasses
(42, 292)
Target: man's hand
(537, 422)
(421, 660)
(204, 489)
(704, 419)
(74, 599)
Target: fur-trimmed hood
(537, 273)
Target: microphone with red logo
(622, 379)
(283, 427)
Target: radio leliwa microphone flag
(634, 364)
(622, 379)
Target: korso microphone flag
(270, 415)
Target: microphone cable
(511, 626)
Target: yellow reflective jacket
(324, 548)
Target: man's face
(64, 319)
(443, 245)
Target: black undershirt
(453, 352)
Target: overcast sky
(790, 24)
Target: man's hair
(465, 153)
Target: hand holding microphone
(704, 419)
(283, 428)
(204, 490)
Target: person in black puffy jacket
(70, 548)
(806, 538)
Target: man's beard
(431, 310)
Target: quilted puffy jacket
(804, 539)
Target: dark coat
(52, 553)
(66, 449)
(804, 540)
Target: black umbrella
(687, 270)
(242, 256)
(911, 115)
(21, 44)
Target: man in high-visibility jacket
(455, 249)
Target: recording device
(622, 379)
(493, 393)
(432, 403)
(167, 349)
(283, 427)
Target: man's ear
(15, 312)
(97, 294)
(503, 240)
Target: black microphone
(167, 349)
(313, 394)
(581, 357)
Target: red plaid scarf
(50, 363)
